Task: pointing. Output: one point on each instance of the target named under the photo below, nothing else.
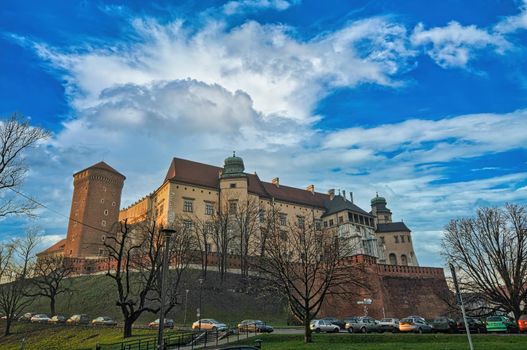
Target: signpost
(365, 302)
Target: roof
(206, 175)
(339, 203)
(57, 247)
(103, 166)
(393, 227)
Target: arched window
(404, 260)
(393, 259)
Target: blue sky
(422, 101)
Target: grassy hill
(96, 295)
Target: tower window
(102, 200)
(402, 239)
(409, 240)
(103, 223)
(382, 239)
(341, 219)
(106, 212)
(232, 185)
(233, 207)
(188, 206)
(396, 239)
(114, 204)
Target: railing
(173, 341)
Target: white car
(324, 326)
(40, 318)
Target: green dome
(378, 200)
(233, 166)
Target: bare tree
(17, 263)
(49, 277)
(246, 224)
(202, 234)
(222, 236)
(490, 251)
(16, 136)
(302, 262)
(135, 264)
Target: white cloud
(455, 45)
(513, 23)
(243, 6)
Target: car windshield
(494, 319)
(387, 320)
(213, 321)
(407, 320)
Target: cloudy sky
(424, 102)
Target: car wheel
(336, 330)
(213, 329)
(350, 330)
(317, 330)
(419, 330)
(364, 330)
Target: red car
(522, 324)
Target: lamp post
(199, 309)
(186, 302)
(167, 233)
(459, 301)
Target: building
(195, 192)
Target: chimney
(331, 193)
(276, 182)
(311, 188)
(351, 197)
(344, 194)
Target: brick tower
(94, 209)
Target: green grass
(95, 296)
(390, 342)
(47, 337)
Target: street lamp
(199, 309)
(186, 302)
(167, 233)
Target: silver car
(323, 326)
(363, 324)
(389, 325)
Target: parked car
(416, 325)
(323, 326)
(104, 321)
(417, 318)
(254, 326)
(78, 319)
(169, 323)
(335, 321)
(209, 324)
(474, 325)
(501, 324)
(27, 316)
(40, 318)
(369, 324)
(389, 325)
(444, 325)
(57, 319)
(353, 324)
(522, 323)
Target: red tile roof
(200, 174)
(103, 166)
(55, 248)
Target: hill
(95, 295)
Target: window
(209, 209)
(233, 206)
(106, 212)
(396, 239)
(103, 223)
(301, 221)
(330, 222)
(404, 260)
(232, 186)
(102, 200)
(187, 224)
(402, 239)
(393, 259)
(325, 224)
(113, 204)
(283, 219)
(318, 225)
(341, 219)
(261, 215)
(385, 217)
(208, 227)
(408, 237)
(283, 235)
(382, 239)
(188, 205)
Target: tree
(222, 237)
(301, 261)
(245, 220)
(490, 251)
(16, 265)
(135, 264)
(16, 136)
(49, 277)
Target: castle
(195, 191)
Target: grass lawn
(47, 337)
(391, 342)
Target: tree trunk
(307, 332)
(7, 326)
(128, 328)
(52, 306)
